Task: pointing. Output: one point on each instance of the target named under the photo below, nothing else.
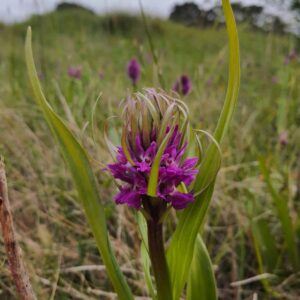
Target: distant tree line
(191, 15)
(295, 6)
(72, 6)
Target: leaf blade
(83, 177)
(193, 217)
(201, 284)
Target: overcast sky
(18, 10)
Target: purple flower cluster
(134, 70)
(183, 85)
(75, 72)
(290, 57)
(173, 171)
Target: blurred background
(270, 13)
(82, 49)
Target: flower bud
(134, 70)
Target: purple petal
(129, 197)
(180, 200)
(165, 191)
(190, 163)
(181, 152)
(151, 151)
(143, 167)
(186, 84)
(170, 175)
(139, 147)
(153, 135)
(189, 178)
(121, 156)
(140, 183)
(122, 172)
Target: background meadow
(253, 226)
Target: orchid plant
(155, 171)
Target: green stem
(157, 255)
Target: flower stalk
(157, 250)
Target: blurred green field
(253, 226)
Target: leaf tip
(28, 34)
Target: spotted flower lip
(142, 142)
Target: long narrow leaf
(209, 166)
(201, 284)
(83, 177)
(184, 237)
(192, 218)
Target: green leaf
(210, 164)
(201, 283)
(145, 254)
(180, 261)
(281, 205)
(83, 177)
(193, 217)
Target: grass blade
(83, 177)
(281, 205)
(266, 242)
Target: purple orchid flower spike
(148, 119)
(75, 72)
(134, 71)
(183, 85)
